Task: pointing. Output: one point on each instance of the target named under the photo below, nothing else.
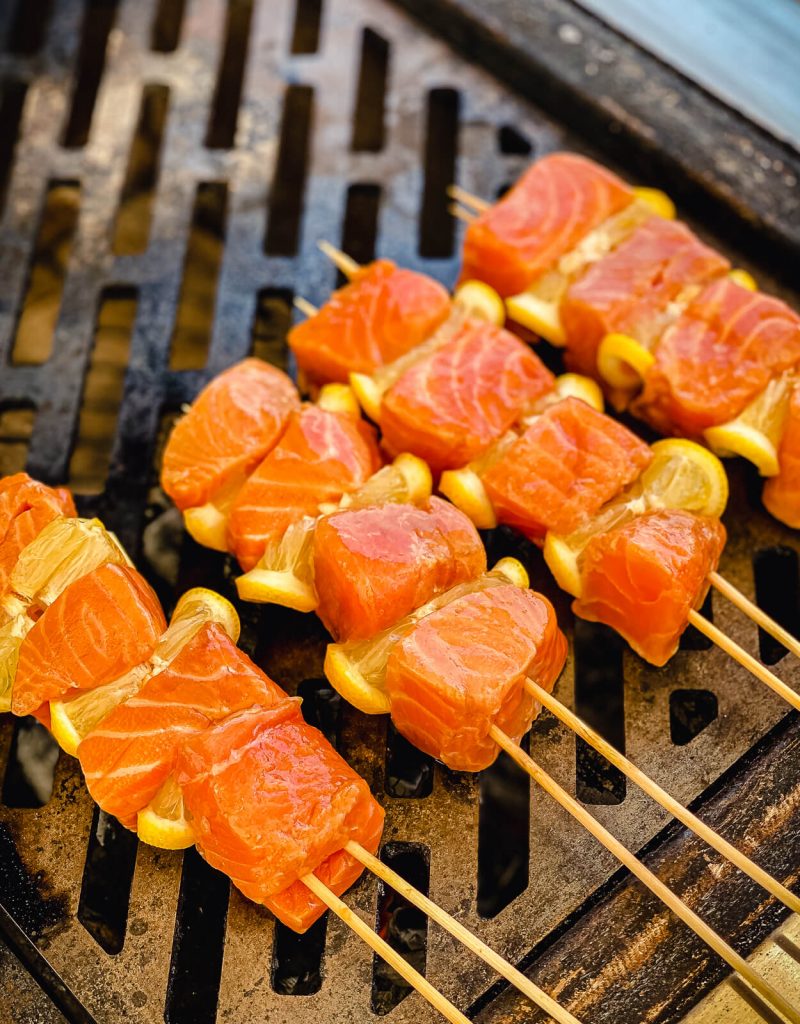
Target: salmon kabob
(639, 302)
(182, 737)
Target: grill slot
(690, 711)
(409, 772)
(777, 583)
(16, 427)
(195, 314)
(437, 227)
(33, 343)
(600, 701)
(288, 186)
(12, 102)
(360, 227)
(402, 925)
(28, 779)
(107, 880)
(227, 95)
(297, 959)
(196, 965)
(97, 23)
(167, 24)
(307, 19)
(29, 27)
(138, 190)
(368, 126)
(271, 323)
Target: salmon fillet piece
(133, 751)
(782, 492)
(717, 358)
(462, 669)
(449, 407)
(644, 577)
(382, 313)
(232, 424)
(372, 566)
(569, 462)
(321, 456)
(26, 507)
(556, 202)
(270, 801)
(629, 291)
(100, 627)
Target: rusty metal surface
(49, 843)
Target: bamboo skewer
(385, 951)
(458, 211)
(739, 654)
(752, 611)
(652, 788)
(305, 307)
(346, 264)
(467, 198)
(472, 942)
(643, 873)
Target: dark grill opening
(402, 925)
(206, 148)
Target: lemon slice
(539, 315)
(339, 398)
(75, 717)
(368, 393)
(562, 561)
(284, 574)
(622, 361)
(407, 480)
(479, 299)
(756, 432)
(11, 636)
(743, 279)
(685, 475)
(207, 524)
(346, 676)
(514, 571)
(163, 822)
(466, 491)
(658, 201)
(575, 385)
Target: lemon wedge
(339, 398)
(514, 571)
(267, 586)
(539, 315)
(658, 201)
(207, 524)
(346, 676)
(743, 279)
(163, 822)
(562, 561)
(466, 491)
(75, 717)
(480, 300)
(756, 432)
(622, 361)
(685, 475)
(575, 385)
(368, 393)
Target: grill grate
(351, 122)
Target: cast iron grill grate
(173, 166)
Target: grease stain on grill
(16, 427)
(197, 947)
(107, 879)
(291, 171)
(409, 772)
(368, 118)
(437, 225)
(690, 711)
(29, 27)
(98, 21)
(167, 22)
(33, 341)
(12, 102)
(307, 19)
(132, 229)
(28, 779)
(272, 321)
(194, 317)
(504, 818)
(513, 142)
(24, 895)
(600, 701)
(778, 594)
(102, 390)
(400, 923)
(221, 133)
(360, 228)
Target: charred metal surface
(641, 113)
(423, 89)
